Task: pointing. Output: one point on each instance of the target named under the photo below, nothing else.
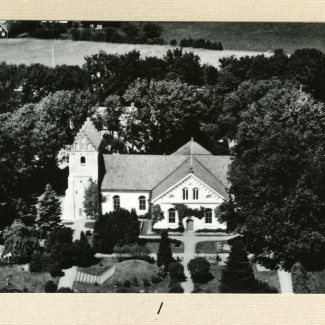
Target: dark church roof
(158, 173)
(193, 147)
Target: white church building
(190, 176)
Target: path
(67, 280)
(78, 226)
(285, 281)
(189, 253)
(190, 239)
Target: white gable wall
(207, 198)
(128, 200)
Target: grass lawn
(99, 268)
(271, 277)
(213, 285)
(127, 270)
(33, 282)
(155, 246)
(90, 225)
(211, 247)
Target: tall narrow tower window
(83, 161)
(83, 143)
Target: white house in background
(191, 176)
(3, 29)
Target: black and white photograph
(162, 157)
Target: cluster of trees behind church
(273, 108)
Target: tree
(176, 272)
(165, 256)
(91, 200)
(186, 65)
(20, 242)
(133, 233)
(302, 282)
(168, 114)
(152, 30)
(199, 268)
(49, 211)
(112, 73)
(278, 179)
(238, 276)
(115, 228)
(83, 254)
(50, 287)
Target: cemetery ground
(23, 280)
(129, 276)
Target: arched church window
(142, 203)
(116, 202)
(208, 216)
(195, 193)
(82, 161)
(185, 193)
(171, 216)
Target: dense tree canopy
(277, 179)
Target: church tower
(83, 165)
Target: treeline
(271, 106)
(201, 43)
(113, 32)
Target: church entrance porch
(190, 225)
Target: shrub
(146, 282)
(199, 268)
(301, 281)
(88, 233)
(156, 279)
(164, 256)
(145, 258)
(56, 270)
(161, 272)
(65, 290)
(127, 283)
(176, 272)
(212, 230)
(50, 287)
(160, 230)
(176, 289)
(173, 42)
(135, 281)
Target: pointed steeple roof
(193, 148)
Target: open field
(28, 51)
(251, 36)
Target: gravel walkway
(67, 280)
(285, 281)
